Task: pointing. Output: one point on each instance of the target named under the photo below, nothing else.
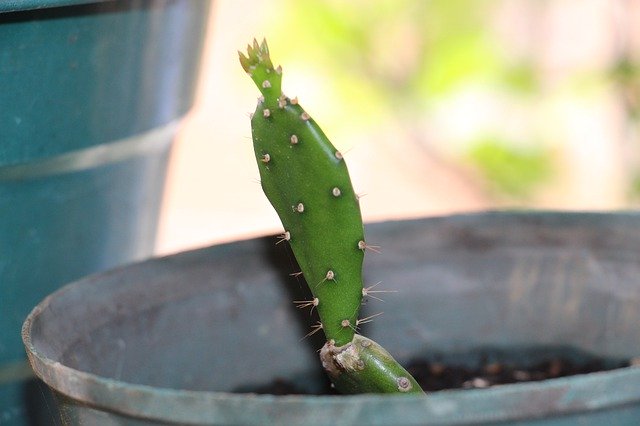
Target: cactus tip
(257, 63)
(244, 61)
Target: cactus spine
(306, 180)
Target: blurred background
(441, 106)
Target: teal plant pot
(182, 339)
(91, 94)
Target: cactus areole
(307, 182)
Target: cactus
(306, 180)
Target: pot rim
(23, 5)
(602, 389)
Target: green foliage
(634, 187)
(404, 49)
(511, 171)
(626, 75)
(397, 62)
(520, 78)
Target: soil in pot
(479, 368)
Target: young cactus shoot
(306, 180)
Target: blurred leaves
(626, 75)
(405, 50)
(521, 77)
(406, 61)
(510, 170)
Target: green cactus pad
(306, 180)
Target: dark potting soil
(476, 369)
(435, 376)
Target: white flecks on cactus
(336, 192)
(369, 291)
(286, 236)
(294, 139)
(314, 329)
(367, 319)
(362, 245)
(282, 102)
(404, 384)
(266, 113)
(301, 304)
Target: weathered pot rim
(21, 5)
(116, 395)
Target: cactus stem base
(363, 366)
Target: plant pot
(91, 96)
(175, 340)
